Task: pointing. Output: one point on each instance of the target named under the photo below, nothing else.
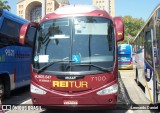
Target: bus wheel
(137, 81)
(7, 91)
(1, 89)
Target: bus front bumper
(82, 103)
(125, 67)
(82, 100)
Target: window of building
(99, 2)
(103, 2)
(20, 6)
(36, 13)
(50, 9)
(103, 8)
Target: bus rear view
(75, 59)
(125, 56)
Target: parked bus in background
(75, 58)
(147, 56)
(15, 59)
(125, 56)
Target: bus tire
(137, 81)
(7, 91)
(5, 80)
(1, 88)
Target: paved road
(134, 92)
(129, 94)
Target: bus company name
(10, 52)
(71, 84)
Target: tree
(131, 28)
(4, 5)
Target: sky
(135, 8)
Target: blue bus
(125, 56)
(15, 59)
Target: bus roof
(127, 48)
(158, 6)
(124, 44)
(14, 17)
(72, 9)
(77, 10)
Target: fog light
(110, 100)
(34, 100)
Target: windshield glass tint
(80, 40)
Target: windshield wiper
(93, 65)
(51, 63)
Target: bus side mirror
(27, 29)
(119, 28)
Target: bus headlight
(37, 90)
(109, 90)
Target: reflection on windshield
(83, 40)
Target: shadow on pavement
(17, 96)
(125, 101)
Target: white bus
(147, 56)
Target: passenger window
(148, 46)
(10, 28)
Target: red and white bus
(75, 62)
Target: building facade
(34, 10)
(107, 5)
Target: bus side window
(10, 28)
(148, 46)
(158, 42)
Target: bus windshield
(75, 44)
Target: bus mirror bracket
(24, 29)
(119, 28)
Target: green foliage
(131, 28)
(4, 5)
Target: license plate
(70, 102)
